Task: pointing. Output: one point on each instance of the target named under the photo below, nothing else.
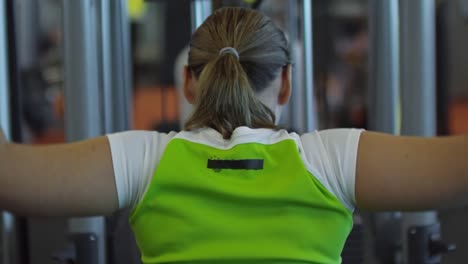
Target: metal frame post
(384, 65)
(114, 64)
(105, 53)
(82, 82)
(201, 9)
(6, 218)
(121, 64)
(28, 33)
(83, 115)
(418, 68)
(4, 82)
(294, 116)
(302, 110)
(307, 34)
(418, 58)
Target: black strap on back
(245, 164)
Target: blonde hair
(227, 81)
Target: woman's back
(263, 196)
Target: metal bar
(418, 68)
(81, 71)
(4, 82)
(105, 42)
(121, 67)
(384, 63)
(87, 248)
(115, 65)
(296, 105)
(83, 114)
(6, 219)
(28, 33)
(14, 64)
(443, 68)
(201, 9)
(310, 109)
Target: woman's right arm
(74, 179)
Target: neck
(271, 102)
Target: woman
(233, 187)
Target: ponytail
(234, 54)
(225, 100)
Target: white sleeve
(135, 156)
(331, 157)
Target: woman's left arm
(411, 173)
(74, 179)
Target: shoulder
(144, 142)
(135, 156)
(337, 135)
(331, 156)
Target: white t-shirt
(329, 155)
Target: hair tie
(229, 50)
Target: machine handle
(439, 247)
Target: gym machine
(6, 220)
(14, 231)
(402, 64)
(97, 75)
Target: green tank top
(204, 205)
